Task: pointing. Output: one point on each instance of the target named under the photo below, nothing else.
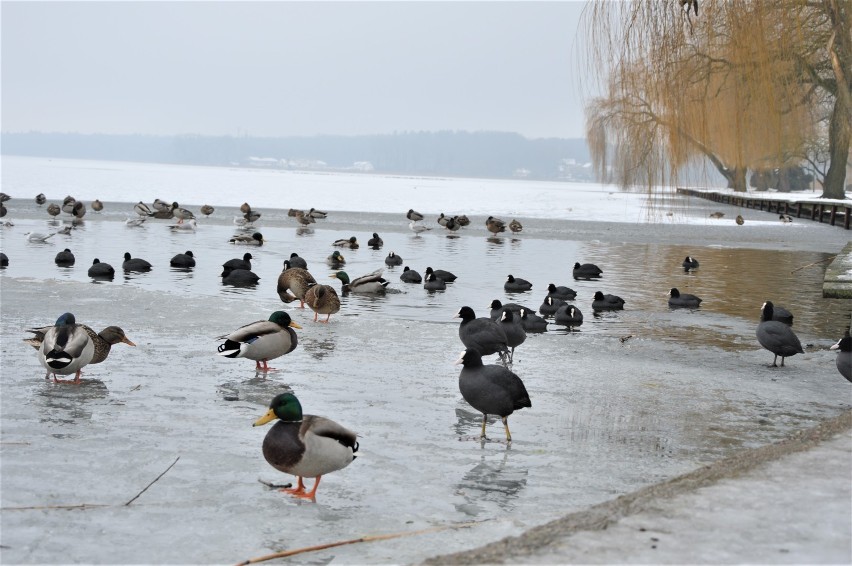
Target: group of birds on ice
(310, 446)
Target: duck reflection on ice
(258, 389)
(494, 482)
(65, 404)
(318, 349)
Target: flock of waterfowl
(311, 446)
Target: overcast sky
(291, 68)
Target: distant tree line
(451, 153)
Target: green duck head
(282, 319)
(285, 407)
(343, 276)
(66, 319)
(337, 256)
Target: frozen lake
(629, 399)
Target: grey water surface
(628, 399)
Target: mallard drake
(442, 220)
(314, 213)
(335, 260)
(683, 300)
(515, 226)
(491, 389)
(164, 213)
(103, 341)
(295, 280)
(776, 336)
(262, 340)
(97, 205)
(351, 243)
(160, 204)
(142, 209)
(184, 260)
(66, 348)
(40, 199)
(134, 222)
(393, 259)
(68, 204)
(64, 258)
(586, 271)
(376, 241)
(495, 225)
(135, 264)
(207, 210)
(322, 299)
(182, 213)
(255, 239)
(370, 283)
(236, 263)
(100, 270)
(413, 215)
(306, 446)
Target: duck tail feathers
(229, 349)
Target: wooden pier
(834, 212)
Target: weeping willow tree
(747, 85)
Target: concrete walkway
(787, 503)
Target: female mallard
(66, 348)
(306, 446)
(97, 205)
(515, 226)
(495, 225)
(207, 210)
(322, 299)
(370, 283)
(297, 281)
(255, 239)
(261, 341)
